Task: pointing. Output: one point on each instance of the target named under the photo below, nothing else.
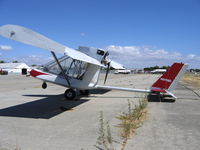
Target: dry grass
(192, 79)
(129, 122)
(132, 120)
(105, 138)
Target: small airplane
(78, 70)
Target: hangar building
(16, 68)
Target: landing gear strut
(70, 94)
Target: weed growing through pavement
(105, 138)
(129, 122)
(132, 120)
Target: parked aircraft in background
(78, 70)
(158, 71)
(122, 71)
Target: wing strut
(63, 73)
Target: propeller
(106, 62)
(107, 71)
(105, 55)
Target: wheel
(44, 85)
(70, 94)
(84, 92)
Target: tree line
(2, 61)
(156, 67)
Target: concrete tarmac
(171, 125)
(32, 118)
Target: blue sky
(161, 27)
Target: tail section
(168, 81)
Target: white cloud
(144, 56)
(128, 50)
(131, 57)
(191, 56)
(5, 47)
(33, 59)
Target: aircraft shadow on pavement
(118, 97)
(156, 98)
(99, 91)
(103, 91)
(45, 108)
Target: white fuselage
(88, 81)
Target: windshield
(72, 68)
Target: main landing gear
(70, 94)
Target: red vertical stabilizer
(169, 79)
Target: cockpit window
(72, 68)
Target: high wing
(97, 54)
(27, 36)
(116, 65)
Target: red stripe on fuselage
(35, 73)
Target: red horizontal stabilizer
(158, 90)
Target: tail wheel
(70, 94)
(84, 92)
